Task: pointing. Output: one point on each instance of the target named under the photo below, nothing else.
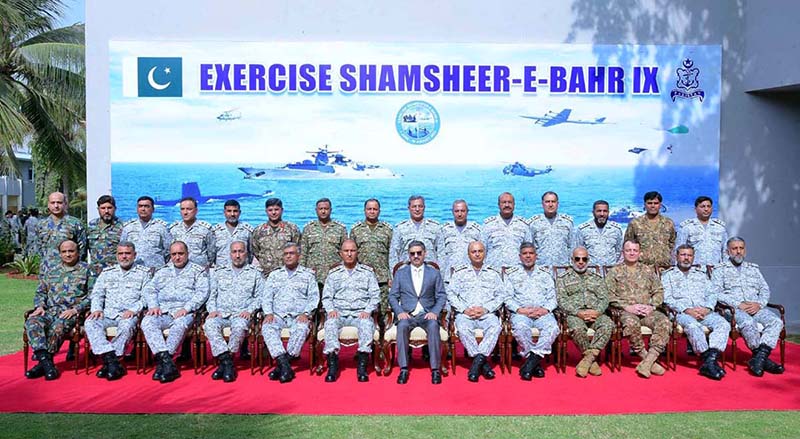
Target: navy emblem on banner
(417, 122)
(160, 77)
(688, 86)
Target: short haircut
(188, 199)
(60, 243)
(324, 200)
(549, 193)
(632, 241)
(127, 244)
(599, 202)
(504, 193)
(372, 199)
(733, 239)
(416, 243)
(274, 202)
(527, 244)
(460, 201)
(702, 198)
(106, 199)
(181, 243)
(232, 203)
(146, 198)
(238, 241)
(415, 198)
(653, 195)
(684, 247)
(291, 244)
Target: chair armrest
(777, 307)
(28, 313)
(671, 311)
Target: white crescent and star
(152, 81)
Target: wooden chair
(111, 332)
(262, 353)
(348, 337)
(144, 356)
(252, 330)
(73, 336)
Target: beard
(579, 270)
(684, 265)
(737, 260)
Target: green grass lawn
(16, 296)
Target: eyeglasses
(419, 253)
(581, 259)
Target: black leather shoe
(287, 374)
(436, 376)
(333, 367)
(50, 371)
(36, 371)
(102, 372)
(244, 351)
(486, 370)
(756, 364)
(159, 360)
(71, 351)
(114, 370)
(361, 369)
(475, 370)
(217, 375)
(772, 367)
(169, 370)
(538, 371)
(275, 373)
(526, 371)
(402, 378)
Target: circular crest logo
(417, 122)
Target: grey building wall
(759, 184)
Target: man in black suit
(417, 297)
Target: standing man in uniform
(228, 231)
(236, 290)
(454, 238)
(268, 239)
(29, 231)
(290, 299)
(706, 235)
(350, 296)
(373, 238)
(691, 293)
(148, 234)
(475, 292)
(741, 285)
(416, 228)
(583, 297)
(504, 233)
(60, 298)
(196, 234)
(104, 234)
(174, 294)
(634, 288)
(532, 301)
(600, 237)
(553, 233)
(321, 241)
(57, 227)
(654, 231)
(116, 302)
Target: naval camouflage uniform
(484, 288)
(198, 238)
(115, 292)
(656, 239)
(639, 285)
(287, 295)
(320, 246)
(267, 243)
(532, 288)
(350, 292)
(60, 288)
(452, 244)
(172, 289)
(232, 291)
(553, 239)
(406, 231)
(50, 232)
(502, 240)
(604, 244)
(373, 244)
(29, 231)
(223, 237)
(151, 239)
(690, 289)
(745, 283)
(708, 240)
(581, 292)
(103, 239)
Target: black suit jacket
(403, 297)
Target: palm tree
(42, 89)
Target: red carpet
(557, 394)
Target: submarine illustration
(192, 189)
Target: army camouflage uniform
(6, 231)
(198, 238)
(60, 288)
(688, 290)
(553, 240)
(50, 232)
(29, 232)
(656, 239)
(452, 245)
(320, 246)
(373, 249)
(103, 239)
(604, 244)
(152, 241)
(579, 292)
(532, 288)
(171, 290)
(267, 243)
(232, 292)
(639, 285)
(287, 295)
(502, 240)
(115, 292)
(484, 288)
(406, 231)
(350, 292)
(708, 240)
(224, 237)
(745, 283)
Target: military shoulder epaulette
(670, 269)
(403, 222)
(613, 224)
(195, 267)
(337, 222)
(299, 267)
(460, 268)
(129, 222)
(94, 222)
(537, 217)
(751, 264)
(566, 217)
(448, 224)
(687, 222)
(337, 267)
(138, 267)
(586, 224)
(222, 268)
(111, 267)
(513, 269)
(174, 224)
(718, 221)
(428, 220)
(366, 267)
(205, 224)
(159, 221)
(490, 219)
(308, 224)
(499, 272)
(544, 270)
(356, 224)
(566, 273)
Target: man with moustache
(321, 241)
(654, 231)
(504, 233)
(195, 233)
(56, 228)
(454, 238)
(418, 228)
(268, 239)
(228, 231)
(148, 234)
(706, 235)
(600, 237)
(552, 232)
(104, 234)
(374, 238)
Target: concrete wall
(759, 183)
